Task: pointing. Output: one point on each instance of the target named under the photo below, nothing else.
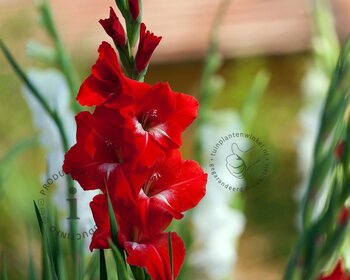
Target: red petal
(153, 255)
(90, 92)
(167, 115)
(148, 43)
(344, 216)
(113, 28)
(141, 221)
(99, 208)
(186, 110)
(83, 161)
(148, 150)
(120, 188)
(134, 8)
(179, 194)
(98, 153)
(106, 83)
(338, 273)
(339, 150)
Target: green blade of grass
(112, 221)
(103, 267)
(118, 252)
(3, 268)
(138, 272)
(31, 268)
(92, 267)
(57, 249)
(170, 249)
(49, 268)
(122, 271)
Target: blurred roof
(249, 26)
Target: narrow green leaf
(118, 252)
(36, 93)
(120, 262)
(31, 268)
(4, 268)
(170, 248)
(138, 273)
(112, 221)
(81, 251)
(63, 59)
(48, 263)
(21, 74)
(11, 154)
(38, 216)
(103, 267)
(252, 100)
(57, 249)
(45, 264)
(92, 267)
(17, 149)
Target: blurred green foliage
(270, 209)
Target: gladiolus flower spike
(128, 148)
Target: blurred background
(273, 35)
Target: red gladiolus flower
(170, 189)
(134, 9)
(173, 185)
(153, 255)
(107, 84)
(140, 234)
(114, 28)
(338, 273)
(100, 155)
(140, 222)
(136, 223)
(157, 118)
(147, 45)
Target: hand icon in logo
(236, 162)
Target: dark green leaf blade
(3, 268)
(103, 267)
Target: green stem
(132, 32)
(63, 59)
